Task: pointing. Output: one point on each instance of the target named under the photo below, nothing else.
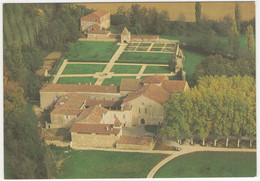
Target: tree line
(31, 31)
(217, 106)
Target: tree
(234, 39)
(250, 41)
(198, 11)
(238, 16)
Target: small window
(94, 98)
(142, 103)
(90, 19)
(113, 99)
(66, 117)
(124, 116)
(95, 19)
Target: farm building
(95, 114)
(95, 21)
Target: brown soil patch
(212, 10)
(53, 56)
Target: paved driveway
(137, 130)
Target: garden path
(62, 67)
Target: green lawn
(104, 164)
(76, 80)
(114, 30)
(192, 59)
(126, 69)
(86, 51)
(51, 79)
(115, 80)
(57, 67)
(83, 68)
(156, 69)
(210, 164)
(142, 57)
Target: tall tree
(234, 39)
(250, 41)
(238, 16)
(198, 11)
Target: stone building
(95, 21)
(125, 36)
(96, 114)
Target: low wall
(134, 147)
(101, 40)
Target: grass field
(126, 69)
(140, 57)
(86, 51)
(83, 68)
(210, 164)
(104, 164)
(192, 59)
(156, 69)
(76, 80)
(115, 80)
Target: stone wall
(135, 147)
(98, 36)
(86, 24)
(61, 121)
(125, 117)
(93, 140)
(148, 110)
(105, 21)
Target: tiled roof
(79, 88)
(135, 140)
(97, 14)
(103, 103)
(117, 123)
(73, 100)
(145, 36)
(94, 128)
(105, 32)
(157, 78)
(174, 85)
(66, 111)
(152, 91)
(100, 12)
(130, 84)
(125, 32)
(92, 115)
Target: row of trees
(217, 106)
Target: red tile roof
(79, 88)
(94, 128)
(73, 100)
(151, 91)
(66, 111)
(92, 115)
(101, 12)
(103, 103)
(157, 78)
(174, 85)
(95, 27)
(145, 36)
(135, 140)
(97, 14)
